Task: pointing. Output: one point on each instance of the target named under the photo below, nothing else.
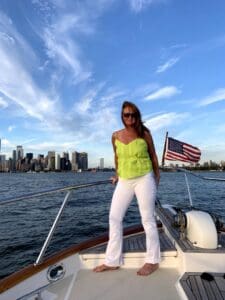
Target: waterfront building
(13, 166)
(74, 161)
(2, 163)
(65, 163)
(83, 161)
(101, 166)
(51, 160)
(79, 161)
(66, 155)
(26, 163)
(10, 164)
(57, 163)
(41, 157)
(19, 152)
(29, 157)
(40, 164)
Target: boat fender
(201, 230)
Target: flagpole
(164, 150)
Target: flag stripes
(177, 150)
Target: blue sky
(67, 66)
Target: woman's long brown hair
(139, 126)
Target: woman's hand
(114, 179)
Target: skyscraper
(83, 161)
(2, 162)
(19, 152)
(29, 157)
(57, 162)
(66, 155)
(51, 160)
(101, 163)
(14, 160)
(74, 161)
(79, 161)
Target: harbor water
(25, 224)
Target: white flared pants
(144, 188)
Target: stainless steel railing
(200, 176)
(50, 191)
(196, 175)
(69, 189)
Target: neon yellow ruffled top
(133, 158)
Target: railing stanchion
(52, 230)
(189, 192)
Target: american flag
(176, 150)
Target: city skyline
(37, 153)
(67, 66)
(101, 160)
(53, 161)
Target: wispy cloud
(83, 105)
(216, 96)
(211, 44)
(43, 106)
(167, 65)
(46, 146)
(112, 95)
(6, 142)
(11, 127)
(74, 21)
(11, 39)
(95, 109)
(165, 120)
(144, 90)
(66, 53)
(61, 32)
(21, 89)
(165, 92)
(28, 141)
(204, 46)
(139, 5)
(85, 121)
(41, 109)
(3, 103)
(16, 60)
(179, 46)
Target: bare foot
(103, 268)
(147, 269)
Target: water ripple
(24, 225)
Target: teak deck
(198, 288)
(136, 243)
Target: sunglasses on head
(127, 115)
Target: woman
(137, 173)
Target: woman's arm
(153, 156)
(114, 178)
